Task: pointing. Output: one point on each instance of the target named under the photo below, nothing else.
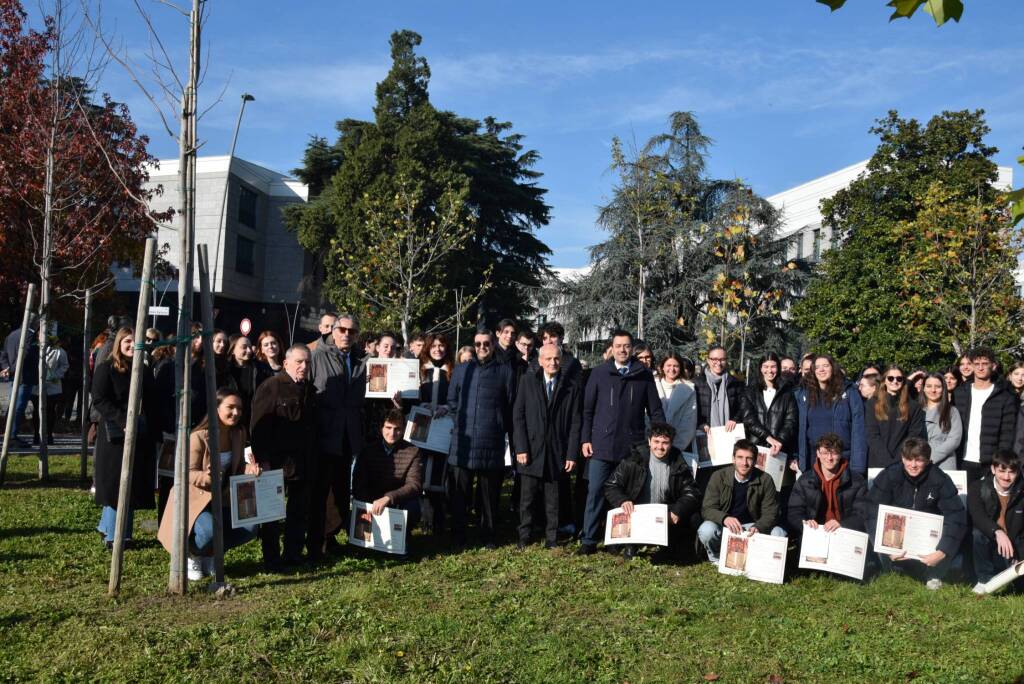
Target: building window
(244, 255)
(817, 244)
(800, 245)
(833, 237)
(247, 207)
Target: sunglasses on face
(482, 345)
(894, 378)
(346, 329)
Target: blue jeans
(23, 396)
(987, 561)
(710, 535)
(598, 473)
(201, 539)
(108, 519)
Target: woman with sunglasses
(827, 403)
(890, 418)
(942, 421)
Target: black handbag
(115, 433)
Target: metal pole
(83, 401)
(124, 494)
(213, 438)
(12, 405)
(221, 228)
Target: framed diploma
(384, 532)
(428, 432)
(843, 551)
(905, 531)
(257, 498)
(760, 557)
(384, 377)
(647, 525)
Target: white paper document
(872, 474)
(257, 498)
(718, 445)
(384, 377)
(428, 432)
(775, 465)
(648, 524)
(760, 557)
(843, 551)
(1004, 578)
(384, 532)
(959, 478)
(905, 531)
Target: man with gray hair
(340, 381)
(546, 417)
(284, 436)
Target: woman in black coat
(890, 417)
(110, 387)
(769, 410)
(436, 364)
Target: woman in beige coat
(231, 434)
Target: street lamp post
(221, 227)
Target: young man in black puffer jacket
(829, 494)
(916, 484)
(656, 473)
(996, 505)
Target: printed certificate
(384, 377)
(647, 525)
(775, 465)
(904, 531)
(428, 432)
(843, 551)
(715, 448)
(257, 498)
(759, 557)
(384, 532)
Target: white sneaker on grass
(195, 569)
(934, 584)
(979, 589)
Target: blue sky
(786, 89)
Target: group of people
(575, 441)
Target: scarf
(719, 398)
(830, 488)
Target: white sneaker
(979, 589)
(208, 567)
(195, 569)
(934, 584)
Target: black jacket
(807, 502)
(998, 420)
(110, 390)
(983, 506)
(930, 492)
(627, 482)
(284, 424)
(780, 420)
(548, 431)
(616, 408)
(734, 395)
(885, 438)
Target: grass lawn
(462, 617)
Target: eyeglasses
(712, 359)
(894, 378)
(346, 329)
(482, 345)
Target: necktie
(551, 388)
(622, 371)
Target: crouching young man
(830, 494)
(995, 504)
(656, 473)
(916, 484)
(739, 497)
(388, 472)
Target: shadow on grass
(18, 532)
(18, 557)
(13, 619)
(31, 481)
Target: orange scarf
(830, 488)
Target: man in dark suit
(339, 377)
(546, 417)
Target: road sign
(245, 326)
(159, 311)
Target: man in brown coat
(284, 436)
(388, 473)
